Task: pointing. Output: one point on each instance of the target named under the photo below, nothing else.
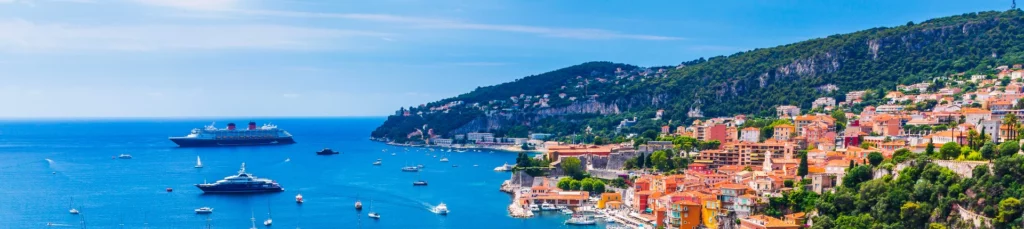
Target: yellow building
(608, 197)
(710, 209)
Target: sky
(259, 58)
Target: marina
(48, 161)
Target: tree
(949, 150)
(988, 150)
(641, 161)
(875, 158)
(901, 155)
(587, 184)
(650, 134)
(1009, 210)
(572, 167)
(866, 145)
(564, 183)
(661, 161)
(930, 148)
(802, 170)
(856, 175)
(575, 185)
(1008, 148)
(1011, 123)
(598, 187)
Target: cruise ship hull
(195, 142)
(238, 189)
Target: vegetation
(573, 168)
(592, 185)
(751, 82)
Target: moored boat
(241, 183)
(204, 210)
(267, 134)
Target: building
(787, 111)
(891, 109)
(540, 136)
(765, 222)
(480, 137)
(823, 102)
(855, 97)
(608, 198)
(783, 132)
(442, 141)
(684, 214)
(750, 134)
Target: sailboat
(253, 220)
(270, 220)
(73, 211)
(373, 214)
(199, 163)
(419, 181)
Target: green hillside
(599, 94)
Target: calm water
(43, 163)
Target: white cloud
(434, 23)
(193, 4)
(425, 23)
(21, 35)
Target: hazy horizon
(80, 59)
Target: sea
(48, 166)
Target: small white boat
(504, 168)
(410, 169)
(441, 209)
(71, 205)
(392, 154)
(580, 220)
(270, 220)
(419, 166)
(547, 207)
(444, 159)
(204, 210)
(373, 214)
(199, 163)
(124, 156)
(534, 207)
(376, 163)
(567, 211)
(298, 198)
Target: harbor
(47, 162)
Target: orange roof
(734, 186)
(972, 110)
(769, 221)
(784, 126)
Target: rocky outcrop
(581, 107)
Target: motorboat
(359, 205)
(504, 168)
(567, 211)
(124, 156)
(410, 169)
(298, 198)
(444, 159)
(204, 210)
(534, 207)
(547, 207)
(441, 209)
(373, 215)
(327, 151)
(376, 163)
(580, 220)
(419, 183)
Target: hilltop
(593, 97)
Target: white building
(480, 137)
(787, 111)
(823, 102)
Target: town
(728, 172)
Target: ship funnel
(231, 126)
(252, 125)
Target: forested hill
(598, 94)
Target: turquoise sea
(46, 163)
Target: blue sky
(173, 58)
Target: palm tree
(1011, 126)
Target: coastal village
(723, 172)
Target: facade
(787, 111)
(750, 134)
(783, 132)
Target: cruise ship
(267, 134)
(241, 183)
